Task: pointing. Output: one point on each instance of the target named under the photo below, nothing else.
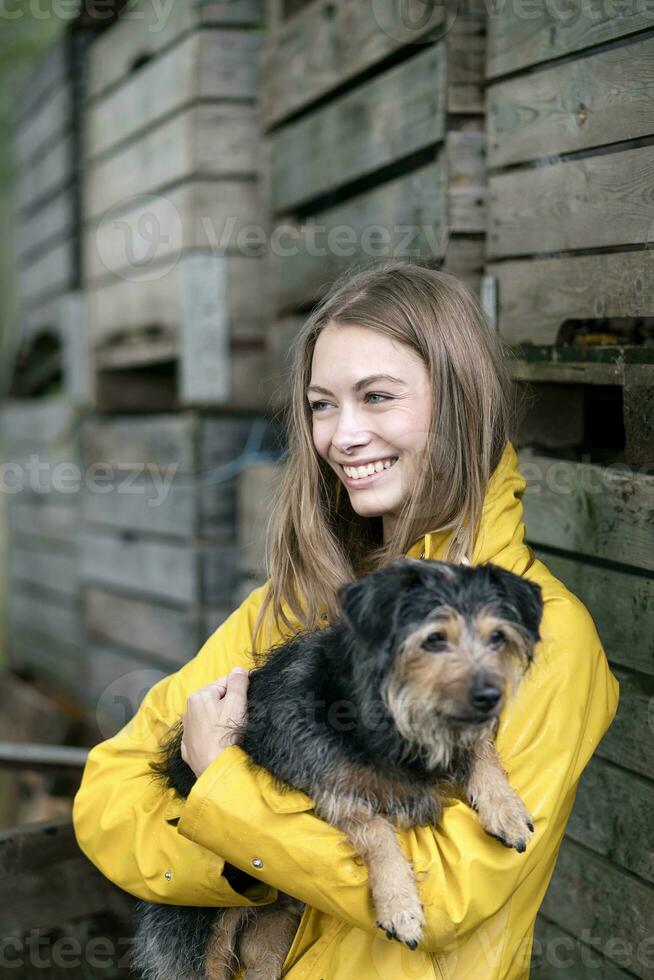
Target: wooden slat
(43, 656)
(168, 440)
(48, 173)
(604, 512)
(465, 151)
(557, 956)
(51, 71)
(612, 815)
(117, 683)
(173, 635)
(406, 216)
(54, 220)
(49, 274)
(205, 65)
(596, 201)
(393, 115)
(327, 44)
(154, 503)
(257, 486)
(590, 897)
(626, 623)
(42, 421)
(145, 30)
(537, 296)
(36, 563)
(46, 881)
(211, 141)
(53, 617)
(199, 214)
(628, 742)
(521, 35)
(45, 125)
(574, 106)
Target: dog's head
(445, 641)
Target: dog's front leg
(502, 813)
(392, 881)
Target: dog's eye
(435, 641)
(497, 638)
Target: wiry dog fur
(377, 718)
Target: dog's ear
(368, 604)
(524, 596)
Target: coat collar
(501, 532)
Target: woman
(398, 440)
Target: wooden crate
(569, 172)
(592, 527)
(171, 186)
(42, 473)
(159, 562)
(256, 489)
(375, 147)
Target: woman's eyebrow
(360, 384)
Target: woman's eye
(315, 406)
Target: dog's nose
(485, 696)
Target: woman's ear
(368, 604)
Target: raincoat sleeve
(547, 734)
(125, 822)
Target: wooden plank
(123, 305)
(118, 682)
(628, 742)
(49, 73)
(47, 174)
(134, 442)
(596, 201)
(54, 617)
(145, 30)
(577, 105)
(205, 65)
(173, 635)
(393, 115)
(536, 297)
(406, 217)
(47, 275)
(612, 816)
(626, 623)
(557, 955)
(465, 151)
(41, 861)
(327, 44)
(590, 897)
(36, 563)
(603, 512)
(151, 503)
(144, 567)
(638, 404)
(41, 421)
(257, 486)
(196, 215)
(523, 34)
(48, 121)
(54, 220)
(45, 657)
(209, 141)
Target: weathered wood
(591, 898)
(144, 31)
(205, 65)
(209, 141)
(134, 442)
(626, 623)
(595, 201)
(393, 115)
(41, 421)
(538, 296)
(41, 861)
(117, 683)
(34, 756)
(257, 486)
(580, 104)
(327, 44)
(605, 512)
(52, 221)
(45, 657)
(55, 617)
(465, 151)
(628, 742)
(612, 815)
(523, 34)
(638, 401)
(48, 173)
(49, 274)
(49, 73)
(46, 124)
(198, 214)
(577, 369)
(34, 562)
(173, 635)
(557, 955)
(66, 317)
(406, 217)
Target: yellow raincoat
(480, 898)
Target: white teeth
(356, 472)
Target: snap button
(168, 875)
(257, 863)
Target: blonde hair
(317, 542)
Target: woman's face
(370, 399)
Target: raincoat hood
(480, 898)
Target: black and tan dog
(424, 655)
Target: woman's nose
(349, 433)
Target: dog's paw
(508, 820)
(401, 920)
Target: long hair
(316, 541)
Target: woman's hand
(211, 716)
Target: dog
(425, 654)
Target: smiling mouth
(355, 473)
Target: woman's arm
(547, 736)
(125, 822)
